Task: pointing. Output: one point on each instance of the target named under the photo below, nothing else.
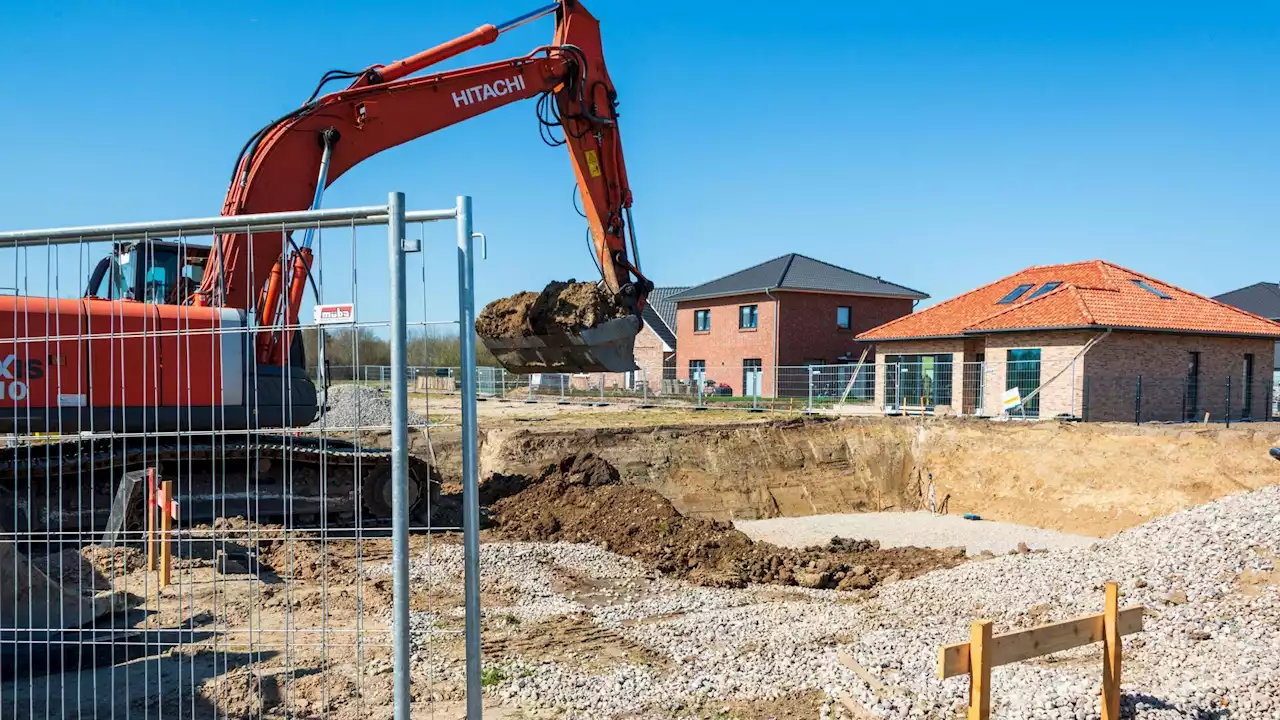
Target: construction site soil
(560, 307)
(581, 498)
(1085, 478)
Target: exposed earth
(615, 585)
(560, 307)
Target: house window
(748, 317)
(697, 371)
(1022, 371)
(1247, 410)
(844, 318)
(914, 379)
(1151, 289)
(701, 320)
(1045, 288)
(1014, 294)
(1191, 396)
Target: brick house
(789, 311)
(1098, 341)
(656, 344)
(1261, 299)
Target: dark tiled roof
(798, 272)
(660, 313)
(1259, 298)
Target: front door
(752, 376)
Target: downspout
(775, 302)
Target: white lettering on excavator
(480, 93)
(11, 388)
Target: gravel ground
(1211, 647)
(904, 529)
(357, 406)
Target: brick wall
(649, 357)
(807, 330)
(808, 327)
(1162, 359)
(920, 347)
(725, 345)
(1062, 391)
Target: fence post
(897, 385)
(1111, 654)
(166, 534)
(644, 388)
(564, 384)
(399, 454)
(1073, 387)
(530, 389)
(979, 671)
(698, 380)
(1137, 403)
(808, 371)
(1228, 415)
(470, 481)
(602, 388)
(152, 489)
(1084, 404)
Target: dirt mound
(581, 499)
(560, 307)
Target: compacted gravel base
(906, 529)
(1211, 648)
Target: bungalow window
(748, 317)
(844, 318)
(1022, 371)
(701, 320)
(912, 379)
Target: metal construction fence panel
(980, 389)
(191, 523)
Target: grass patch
(491, 676)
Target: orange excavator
(172, 342)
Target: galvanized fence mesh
(190, 529)
(1021, 389)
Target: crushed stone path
(904, 529)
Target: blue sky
(936, 144)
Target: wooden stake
(979, 671)
(151, 519)
(1111, 654)
(1206, 418)
(166, 528)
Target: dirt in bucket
(560, 307)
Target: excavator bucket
(32, 600)
(608, 347)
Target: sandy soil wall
(1093, 479)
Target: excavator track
(65, 490)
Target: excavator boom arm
(385, 107)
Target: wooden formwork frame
(985, 651)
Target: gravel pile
(360, 407)
(1211, 648)
(908, 529)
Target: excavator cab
(153, 271)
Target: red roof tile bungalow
(1090, 340)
